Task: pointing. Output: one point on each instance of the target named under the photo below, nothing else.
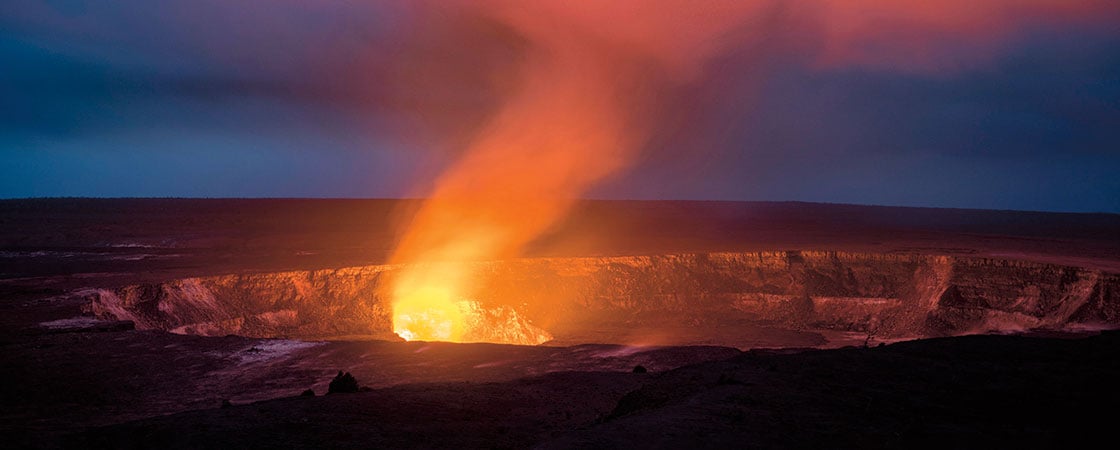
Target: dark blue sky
(370, 99)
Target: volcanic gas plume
(570, 122)
(588, 77)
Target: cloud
(439, 73)
(783, 81)
(941, 36)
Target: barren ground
(87, 384)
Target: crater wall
(684, 298)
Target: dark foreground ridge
(962, 392)
(93, 292)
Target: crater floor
(130, 322)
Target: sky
(1002, 104)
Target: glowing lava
(428, 304)
(431, 305)
(428, 314)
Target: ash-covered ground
(78, 376)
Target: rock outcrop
(882, 295)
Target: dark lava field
(177, 323)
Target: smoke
(579, 84)
(573, 118)
(580, 100)
(570, 121)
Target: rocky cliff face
(321, 303)
(607, 299)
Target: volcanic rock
(343, 383)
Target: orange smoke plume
(569, 123)
(578, 112)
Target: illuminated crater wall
(736, 299)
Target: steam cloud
(588, 74)
(570, 121)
